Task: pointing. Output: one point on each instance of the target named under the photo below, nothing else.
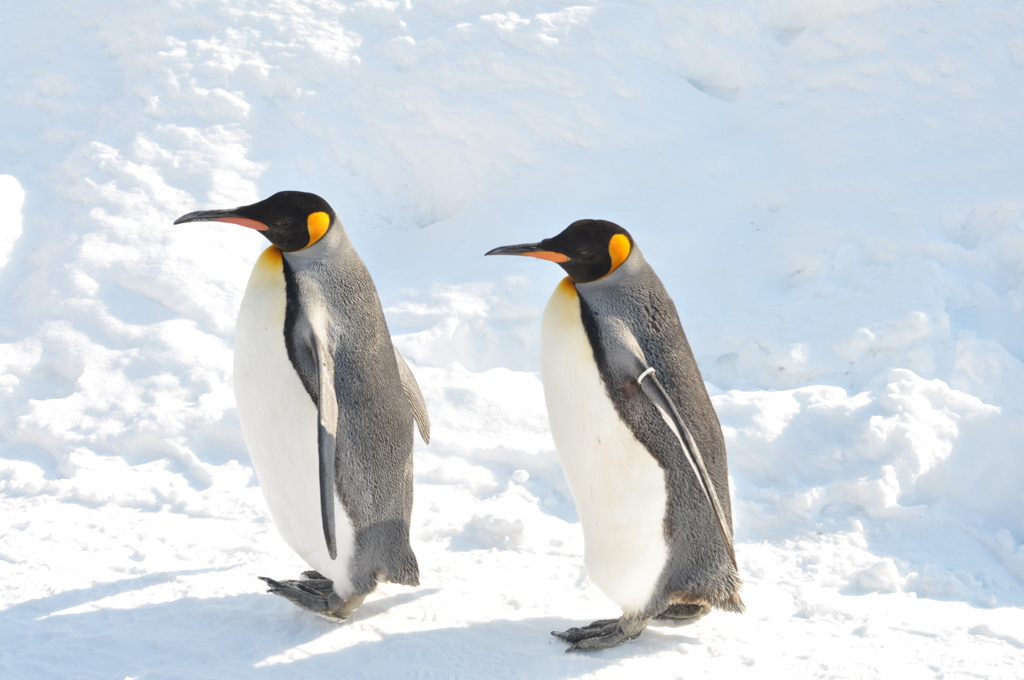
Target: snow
(831, 192)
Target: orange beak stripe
(548, 255)
(243, 222)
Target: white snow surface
(831, 191)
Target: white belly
(279, 423)
(618, 487)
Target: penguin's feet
(684, 614)
(314, 593)
(602, 634)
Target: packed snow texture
(831, 191)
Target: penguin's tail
(733, 604)
(403, 568)
(728, 597)
(383, 553)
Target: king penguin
(326, 405)
(636, 435)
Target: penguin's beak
(537, 250)
(231, 216)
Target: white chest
(279, 423)
(618, 487)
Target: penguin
(326, 404)
(636, 435)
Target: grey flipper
(624, 350)
(415, 397)
(654, 390)
(327, 415)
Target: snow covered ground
(831, 191)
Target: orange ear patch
(548, 255)
(618, 248)
(317, 224)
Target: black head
(291, 220)
(587, 250)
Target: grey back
(331, 297)
(630, 311)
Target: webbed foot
(602, 634)
(314, 593)
(684, 614)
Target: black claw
(571, 635)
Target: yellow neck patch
(618, 248)
(566, 287)
(317, 224)
(268, 274)
(270, 259)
